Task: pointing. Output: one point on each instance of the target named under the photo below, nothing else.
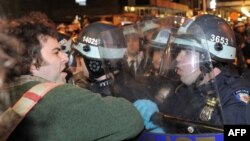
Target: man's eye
(57, 51)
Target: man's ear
(33, 69)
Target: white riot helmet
(160, 38)
(149, 25)
(101, 45)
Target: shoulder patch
(242, 95)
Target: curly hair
(31, 34)
(10, 53)
(20, 46)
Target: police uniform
(143, 65)
(234, 94)
(188, 102)
(102, 87)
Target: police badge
(207, 111)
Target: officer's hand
(147, 108)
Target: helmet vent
(218, 46)
(86, 48)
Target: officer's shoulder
(242, 94)
(240, 89)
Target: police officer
(135, 57)
(100, 47)
(194, 99)
(149, 27)
(158, 45)
(201, 56)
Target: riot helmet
(208, 35)
(149, 25)
(158, 45)
(218, 35)
(101, 45)
(160, 38)
(148, 29)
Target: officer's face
(133, 44)
(188, 67)
(157, 54)
(149, 34)
(54, 61)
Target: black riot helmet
(219, 36)
(102, 45)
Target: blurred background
(117, 11)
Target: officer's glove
(147, 108)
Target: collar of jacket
(26, 78)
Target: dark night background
(65, 10)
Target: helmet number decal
(219, 39)
(90, 40)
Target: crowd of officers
(99, 81)
(242, 35)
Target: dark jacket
(187, 102)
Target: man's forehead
(49, 42)
(43, 38)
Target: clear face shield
(112, 49)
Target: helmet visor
(112, 49)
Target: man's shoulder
(68, 87)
